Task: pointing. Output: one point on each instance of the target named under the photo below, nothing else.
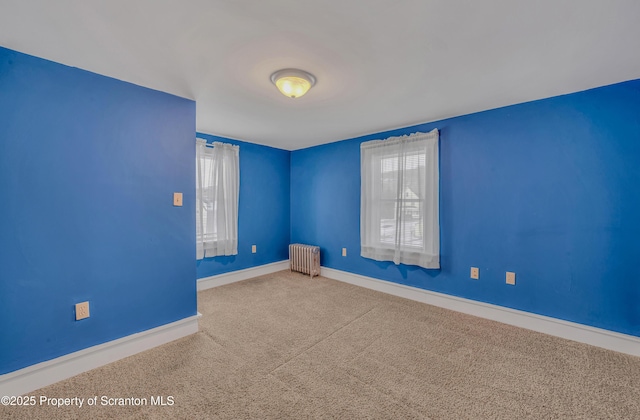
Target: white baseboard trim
(46, 373)
(610, 340)
(239, 275)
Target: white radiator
(305, 259)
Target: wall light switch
(344, 252)
(511, 278)
(82, 310)
(177, 199)
(475, 273)
(253, 249)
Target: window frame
(226, 176)
(399, 247)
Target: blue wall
(88, 165)
(263, 212)
(548, 189)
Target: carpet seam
(322, 340)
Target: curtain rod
(203, 141)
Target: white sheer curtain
(217, 191)
(399, 219)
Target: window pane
(412, 224)
(411, 232)
(414, 174)
(388, 222)
(389, 177)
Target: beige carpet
(284, 346)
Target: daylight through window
(217, 189)
(399, 200)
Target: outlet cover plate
(475, 273)
(511, 278)
(82, 310)
(177, 199)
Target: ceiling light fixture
(293, 82)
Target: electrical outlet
(344, 252)
(253, 249)
(82, 310)
(511, 278)
(475, 273)
(177, 199)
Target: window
(217, 190)
(399, 218)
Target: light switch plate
(177, 199)
(344, 252)
(253, 249)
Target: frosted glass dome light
(293, 83)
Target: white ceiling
(380, 64)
